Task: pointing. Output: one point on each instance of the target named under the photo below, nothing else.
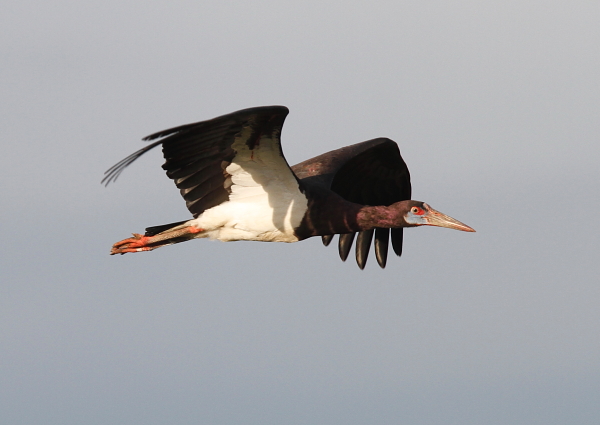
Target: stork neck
(329, 214)
(378, 216)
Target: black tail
(155, 230)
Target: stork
(237, 185)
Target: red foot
(136, 244)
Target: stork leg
(139, 243)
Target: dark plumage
(238, 186)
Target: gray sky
(495, 106)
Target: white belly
(265, 203)
(250, 221)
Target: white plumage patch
(265, 203)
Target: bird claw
(138, 243)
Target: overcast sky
(496, 108)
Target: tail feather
(155, 230)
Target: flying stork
(238, 186)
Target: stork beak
(436, 218)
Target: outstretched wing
(199, 156)
(367, 173)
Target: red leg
(139, 243)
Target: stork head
(421, 214)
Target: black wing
(367, 173)
(198, 154)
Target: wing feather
(198, 155)
(367, 173)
